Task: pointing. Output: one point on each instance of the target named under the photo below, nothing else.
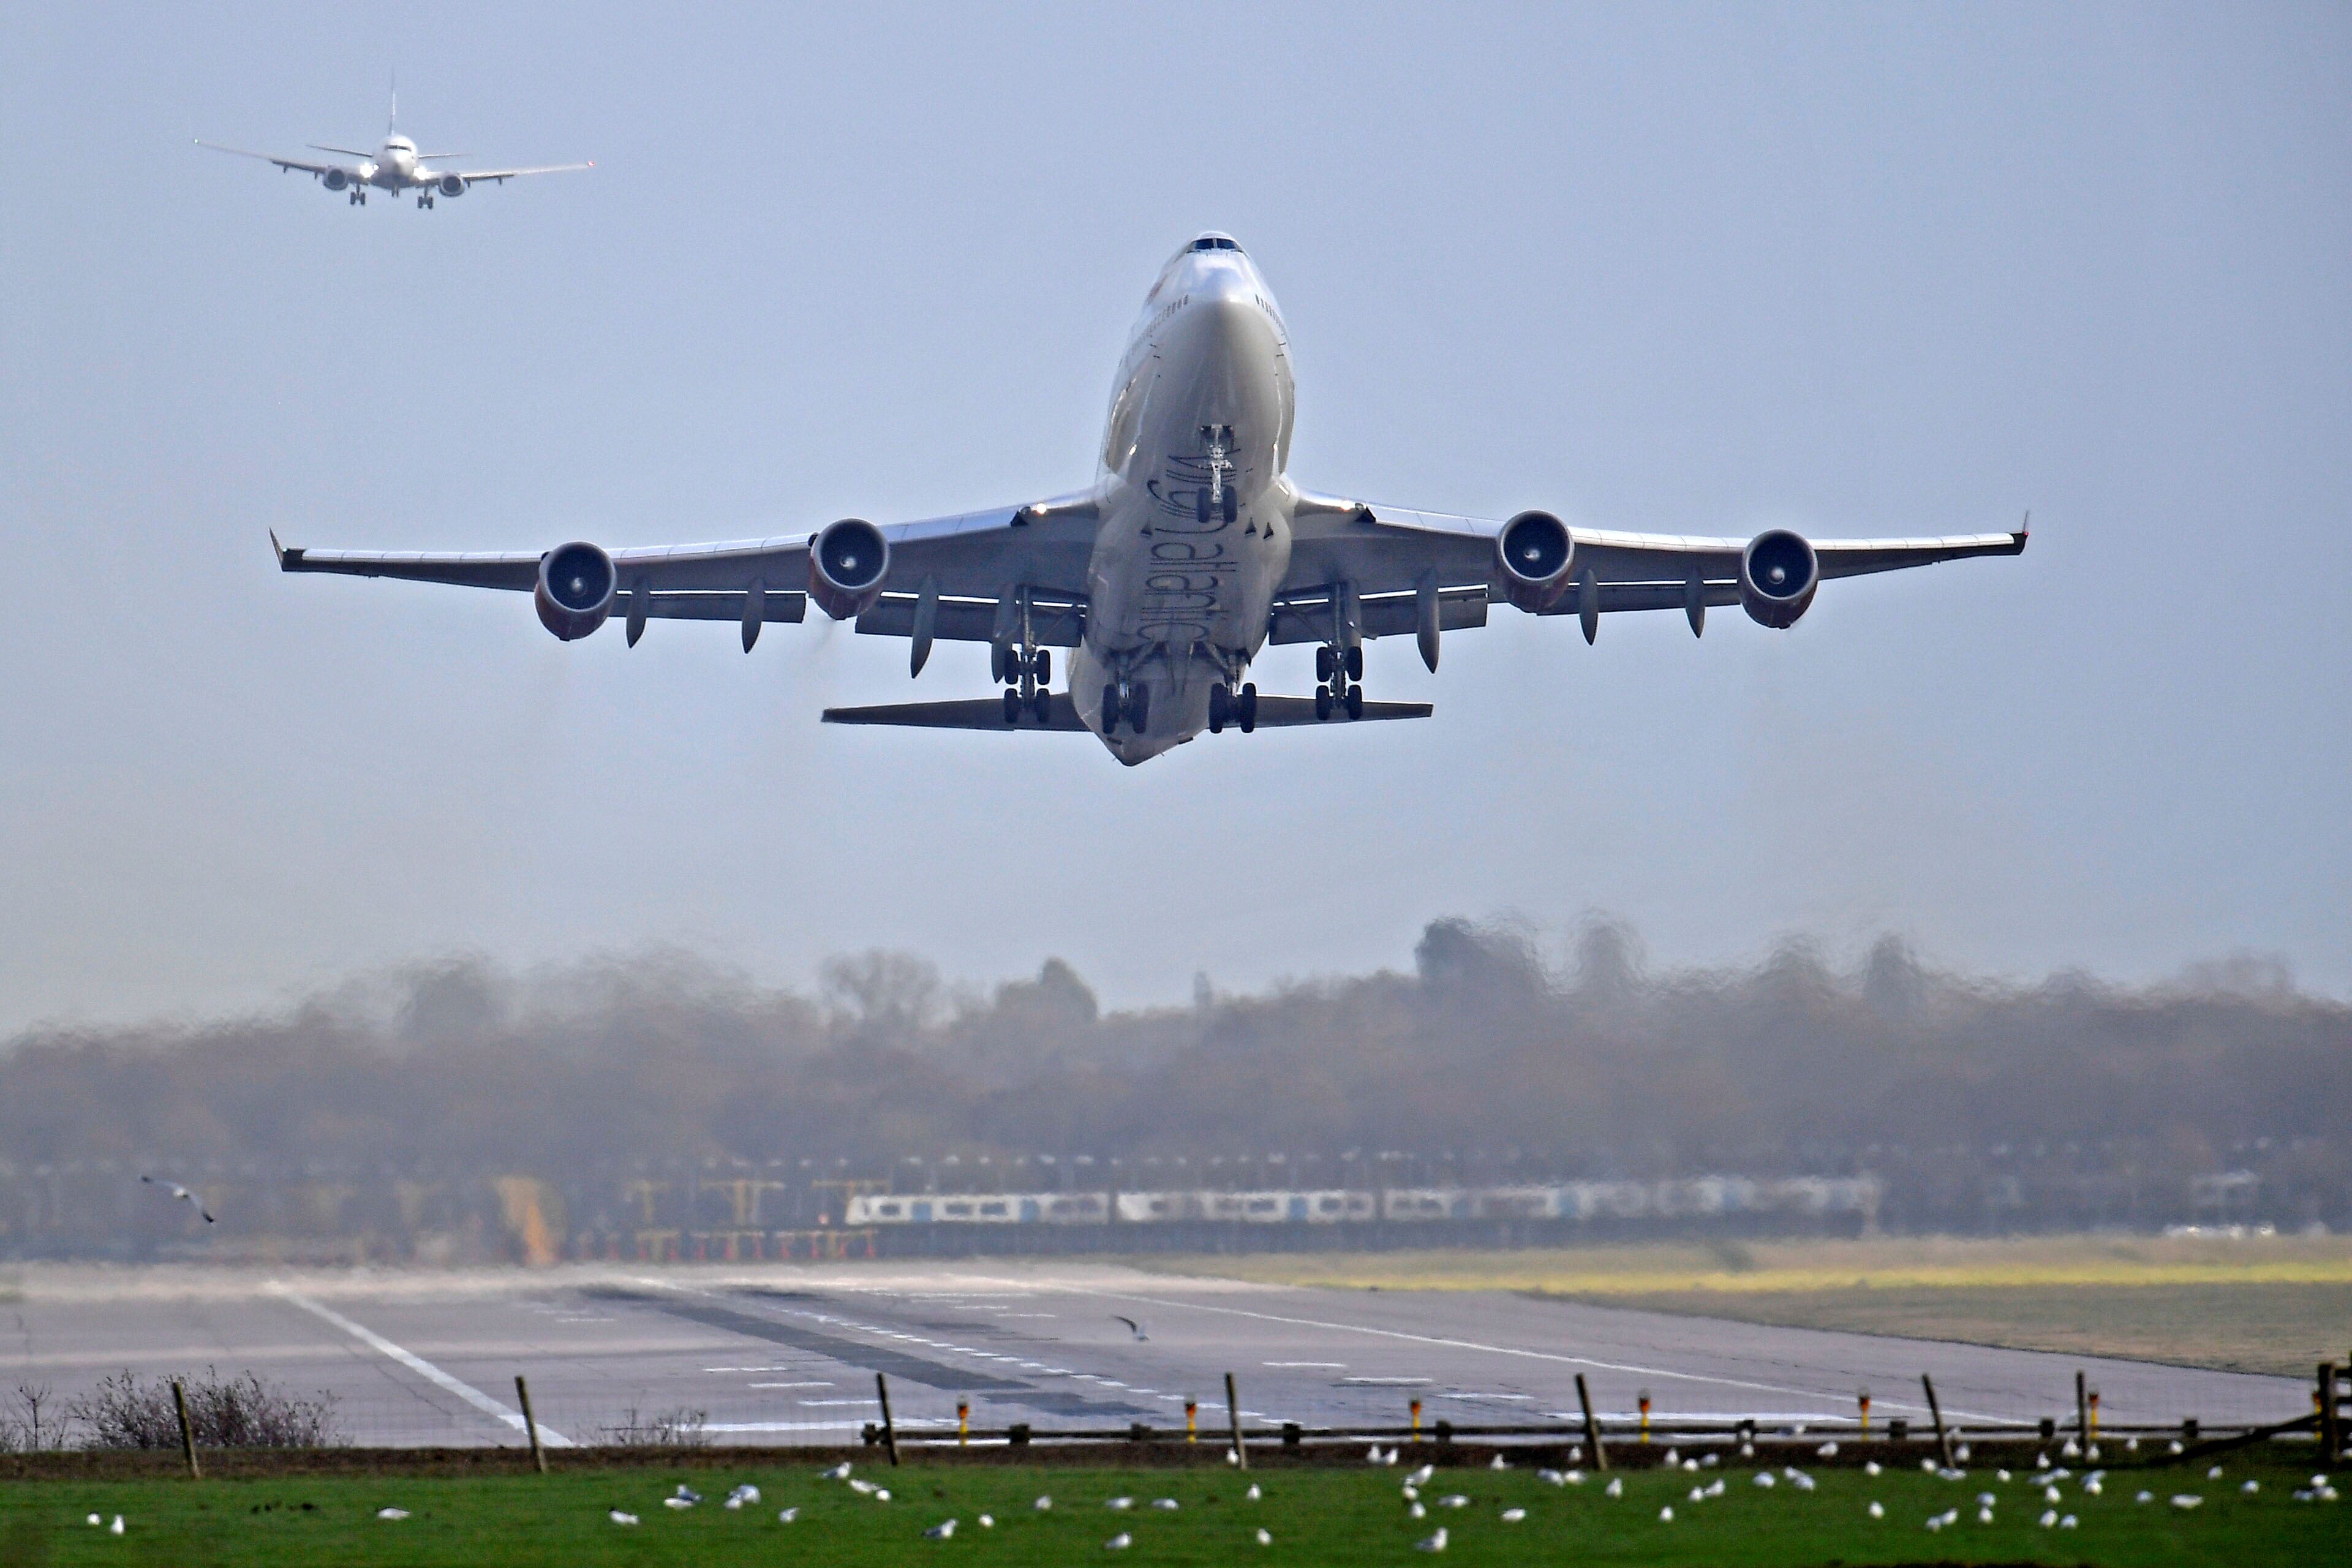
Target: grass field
(2275, 1304)
(1314, 1516)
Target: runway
(787, 1355)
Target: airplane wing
(499, 176)
(282, 163)
(973, 566)
(1385, 555)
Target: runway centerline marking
(548, 1436)
(1507, 1350)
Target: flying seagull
(1133, 1327)
(184, 1195)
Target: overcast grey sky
(1893, 270)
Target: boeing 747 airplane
(1191, 551)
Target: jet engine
(1778, 574)
(335, 180)
(575, 589)
(450, 184)
(847, 562)
(1534, 551)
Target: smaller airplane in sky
(395, 166)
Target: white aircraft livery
(1191, 551)
(395, 166)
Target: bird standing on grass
(184, 1195)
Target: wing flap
(1307, 617)
(1057, 625)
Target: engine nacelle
(335, 180)
(847, 562)
(1778, 574)
(1534, 552)
(575, 589)
(450, 184)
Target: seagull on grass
(184, 1195)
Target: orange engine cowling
(847, 563)
(575, 589)
(1778, 573)
(1534, 552)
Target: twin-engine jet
(1189, 554)
(395, 167)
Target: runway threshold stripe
(548, 1436)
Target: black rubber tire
(1041, 667)
(1249, 708)
(1012, 705)
(1200, 505)
(996, 652)
(1220, 707)
(1325, 663)
(1041, 705)
(1356, 662)
(1322, 702)
(1233, 504)
(1110, 708)
(1139, 707)
(1355, 702)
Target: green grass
(1319, 1516)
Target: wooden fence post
(188, 1433)
(1233, 1418)
(1591, 1427)
(1936, 1411)
(2331, 1432)
(889, 1432)
(530, 1425)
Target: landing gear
(1322, 702)
(1012, 705)
(1355, 700)
(1027, 672)
(1246, 708)
(1325, 662)
(1041, 666)
(1221, 708)
(1041, 703)
(1110, 708)
(1355, 662)
(1138, 706)
(1219, 498)
(423, 202)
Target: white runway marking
(1659, 1372)
(548, 1436)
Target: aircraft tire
(1041, 667)
(1139, 707)
(1322, 702)
(1249, 708)
(1012, 705)
(1355, 702)
(1110, 708)
(1356, 662)
(1233, 505)
(1220, 707)
(1325, 663)
(1201, 507)
(1041, 705)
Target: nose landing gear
(1218, 498)
(1128, 703)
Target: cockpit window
(1215, 242)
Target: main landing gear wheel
(1110, 708)
(1011, 705)
(1041, 705)
(1247, 708)
(1139, 707)
(1041, 666)
(1355, 702)
(1221, 708)
(1356, 662)
(1325, 663)
(1322, 702)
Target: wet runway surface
(783, 1356)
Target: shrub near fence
(240, 1412)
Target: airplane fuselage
(1195, 511)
